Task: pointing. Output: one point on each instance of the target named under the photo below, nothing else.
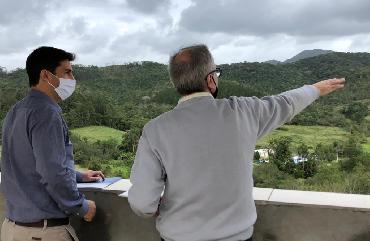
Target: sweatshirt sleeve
(273, 111)
(148, 180)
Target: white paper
(122, 185)
(98, 185)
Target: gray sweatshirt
(200, 154)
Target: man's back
(203, 151)
(205, 184)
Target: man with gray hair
(199, 155)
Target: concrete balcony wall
(283, 215)
(312, 216)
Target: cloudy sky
(106, 32)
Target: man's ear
(210, 82)
(43, 75)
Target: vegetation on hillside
(125, 97)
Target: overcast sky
(106, 32)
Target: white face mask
(66, 87)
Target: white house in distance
(298, 159)
(264, 156)
(264, 153)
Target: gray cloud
(20, 11)
(148, 6)
(163, 43)
(20, 23)
(266, 17)
(119, 31)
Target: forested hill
(126, 97)
(276, 78)
(146, 83)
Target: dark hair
(188, 68)
(48, 58)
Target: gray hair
(189, 67)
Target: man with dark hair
(45, 58)
(200, 154)
(38, 177)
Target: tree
(328, 178)
(356, 111)
(325, 152)
(130, 140)
(108, 149)
(281, 154)
(1, 132)
(307, 168)
(338, 148)
(352, 147)
(269, 176)
(302, 150)
(352, 153)
(2, 71)
(359, 180)
(256, 156)
(127, 158)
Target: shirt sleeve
(273, 111)
(48, 143)
(148, 180)
(79, 176)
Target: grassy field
(80, 168)
(367, 145)
(310, 135)
(98, 133)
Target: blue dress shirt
(38, 179)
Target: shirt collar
(44, 97)
(194, 95)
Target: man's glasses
(218, 72)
